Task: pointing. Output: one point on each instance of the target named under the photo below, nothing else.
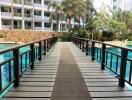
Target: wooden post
(47, 44)
(16, 67)
(44, 47)
(124, 54)
(93, 50)
(0, 79)
(83, 45)
(103, 57)
(80, 43)
(32, 56)
(86, 47)
(40, 51)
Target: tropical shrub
(129, 36)
(1, 36)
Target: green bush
(66, 36)
(1, 36)
(107, 36)
(81, 32)
(129, 36)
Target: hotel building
(29, 14)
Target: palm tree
(57, 13)
(72, 9)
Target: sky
(99, 3)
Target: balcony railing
(17, 1)
(37, 5)
(6, 26)
(28, 3)
(6, 1)
(17, 26)
(6, 14)
(38, 28)
(47, 28)
(28, 15)
(17, 14)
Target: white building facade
(28, 14)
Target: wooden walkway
(43, 82)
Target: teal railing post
(93, 50)
(16, 67)
(32, 55)
(44, 47)
(103, 57)
(86, 47)
(40, 50)
(124, 54)
(83, 44)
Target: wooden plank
(26, 99)
(112, 94)
(28, 94)
(118, 98)
(22, 88)
(101, 84)
(37, 83)
(37, 79)
(106, 88)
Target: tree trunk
(69, 24)
(79, 22)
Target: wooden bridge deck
(55, 78)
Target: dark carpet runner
(69, 83)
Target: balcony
(17, 12)
(28, 14)
(37, 3)
(46, 3)
(28, 25)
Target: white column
(23, 21)
(0, 19)
(42, 14)
(59, 27)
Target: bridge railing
(115, 58)
(17, 59)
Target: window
(55, 27)
(46, 2)
(17, 11)
(47, 14)
(17, 1)
(38, 24)
(38, 13)
(6, 22)
(5, 9)
(48, 25)
(28, 25)
(37, 1)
